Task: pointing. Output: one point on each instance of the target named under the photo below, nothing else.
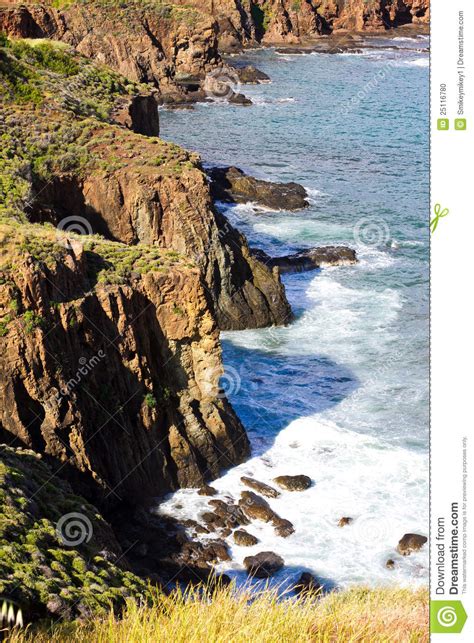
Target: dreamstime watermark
(72, 225)
(86, 366)
(213, 244)
(220, 384)
(372, 231)
(221, 84)
(74, 529)
(367, 89)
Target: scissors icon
(439, 214)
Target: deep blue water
(342, 393)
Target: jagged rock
(244, 539)
(261, 487)
(390, 564)
(207, 490)
(256, 508)
(410, 543)
(195, 526)
(345, 520)
(139, 114)
(294, 483)
(213, 521)
(263, 564)
(239, 99)
(307, 583)
(232, 515)
(250, 75)
(232, 185)
(283, 528)
(41, 404)
(141, 43)
(309, 259)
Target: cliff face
(291, 21)
(73, 165)
(110, 362)
(173, 45)
(110, 356)
(158, 43)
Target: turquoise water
(342, 393)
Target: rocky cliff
(174, 44)
(169, 46)
(243, 22)
(110, 364)
(73, 166)
(110, 357)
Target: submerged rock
(311, 259)
(264, 564)
(283, 528)
(261, 487)
(390, 564)
(232, 185)
(307, 583)
(410, 543)
(256, 508)
(250, 75)
(232, 514)
(244, 539)
(294, 483)
(239, 99)
(207, 490)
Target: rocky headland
(175, 45)
(117, 273)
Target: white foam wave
(341, 463)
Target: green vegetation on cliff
(58, 113)
(57, 554)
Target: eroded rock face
(146, 44)
(139, 114)
(290, 22)
(112, 381)
(169, 206)
(232, 185)
(410, 543)
(264, 564)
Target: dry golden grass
(229, 616)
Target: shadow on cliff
(268, 390)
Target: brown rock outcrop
(111, 380)
(294, 483)
(165, 45)
(263, 564)
(261, 487)
(139, 190)
(244, 539)
(139, 114)
(232, 185)
(309, 259)
(410, 543)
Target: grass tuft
(225, 615)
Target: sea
(341, 394)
